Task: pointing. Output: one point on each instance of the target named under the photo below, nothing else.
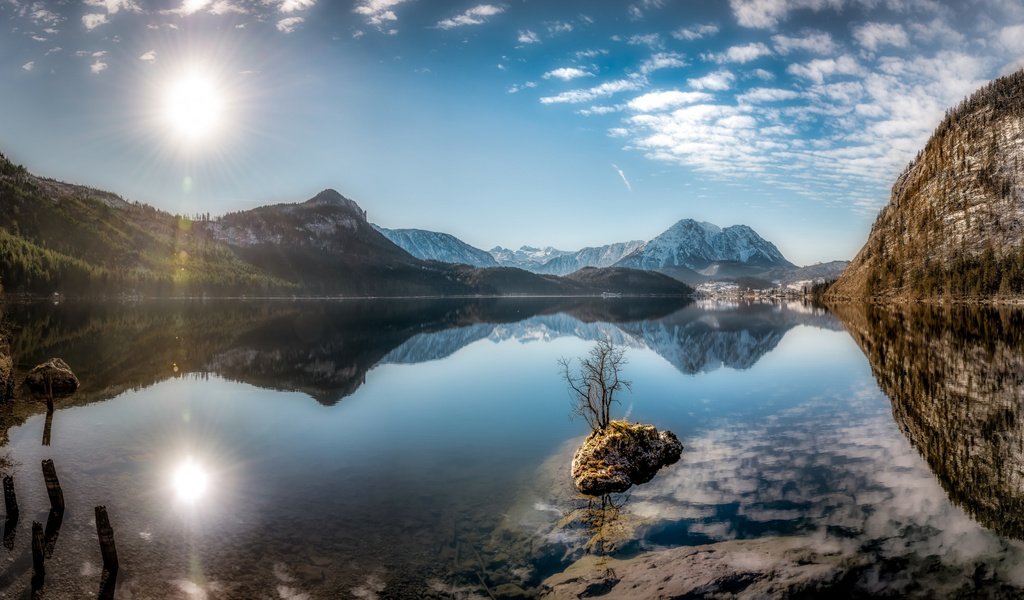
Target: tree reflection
(955, 377)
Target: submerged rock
(771, 567)
(612, 460)
(52, 377)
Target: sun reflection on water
(190, 480)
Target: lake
(392, 449)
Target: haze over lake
(277, 449)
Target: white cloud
(567, 73)
(623, 176)
(1012, 38)
(874, 35)
(515, 89)
(817, 70)
(757, 95)
(662, 100)
(662, 60)
(590, 53)
(696, 32)
(528, 37)
(762, 74)
(718, 81)
(98, 66)
(94, 20)
(294, 5)
(637, 10)
(188, 7)
(223, 7)
(817, 42)
(29, 65)
(378, 13)
(766, 14)
(113, 6)
(557, 27)
(474, 16)
(289, 24)
(148, 56)
(739, 54)
(608, 88)
(651, 40)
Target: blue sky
(523, 122)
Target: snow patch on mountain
(434, 245)
(699, 245)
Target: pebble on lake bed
(623, 454)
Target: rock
(53, 376)
(612, 460)
(761, 568)
(511, 591)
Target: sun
(193, 107)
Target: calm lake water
(421, 449)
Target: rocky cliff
(955, 221)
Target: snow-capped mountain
(526, 257)
(699, 245)
(600, 256)
(433, 245)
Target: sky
(537, 122)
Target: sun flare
(190, 481)
(194, 107)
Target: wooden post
(10, 500)
(106, 535)
(53, 486)
(38, 566)
(108, 584)
(48, 424)
(10, 530)
(53, 523)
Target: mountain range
(73, 239)
(690, 251)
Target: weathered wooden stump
(106, 535)
(108, 583)
(53, 486)
(38, 558)
(53, 523)
(10, 500)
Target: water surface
(420, 449)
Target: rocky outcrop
(53, 377)
(621, 455)
(760, 568)
(954, 225)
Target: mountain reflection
(955, 377)
(325, 349)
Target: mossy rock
(614, 459)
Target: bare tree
(592, 388)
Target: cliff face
(954, 225)
(955, 377)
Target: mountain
(433, 245)
(526, 257)
(702, 246)
(58, 236)
(600, 256)
(80, 241)
(954, 225)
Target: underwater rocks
(621, 455)
(53, 377)
(762, 568)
